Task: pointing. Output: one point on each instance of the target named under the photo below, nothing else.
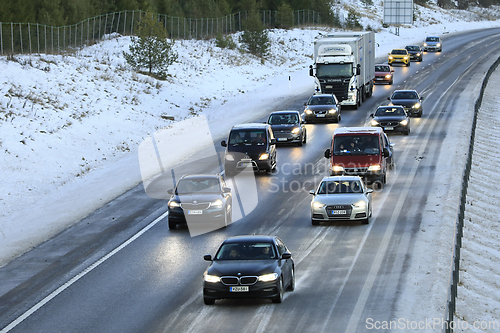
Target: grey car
(409, 99)
(433, 43)
(341, 198)
(288, 127)
(322, 107)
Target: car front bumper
(339, 212)
(259, 290)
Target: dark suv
(409, 99)
(201, 198)
(252, 146)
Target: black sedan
(288, 127)
(416, 52)
(250, 266)
(322, 107)
(409, 99)
(202, 201)
(391, 119)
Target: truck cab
(360, 151)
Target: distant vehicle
(399, 56)
(416, 52)
(250, 145)
(249, 267)
(360, 151)
(391, 119)
(384, 74)
(288, 127)
(201, 198)
(433, 43)
(409, 99)
(341, 198)
(322, 107)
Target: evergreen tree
(254, 35)
(151, 49)
(285, 16)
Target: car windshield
(382, 69)
(338, 187)
(321, 100)
(404, 95)
(432, 39)
(283, 119)
(188, 186)
(246, 251)
(398, 52)
(356, 145)
(247, 137)
(389, 111)
(413, 48)
(334, 70)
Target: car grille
(243, 281)
(389, 123)
(331, 208)
(355, 171)
(337, 88)
(203, 205)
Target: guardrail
(28, 38)
(455, 269)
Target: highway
(122, 270)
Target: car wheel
(314, 222)
(305, 137)
(407, 132)
(420, 114)
(291, 286)
(301, 142)
(391, 82)
(408, 64)
(378, 185)
(279, 297)
(365, 221)
(172, 224)
(208, 301)
(224, 221)
(384, 179)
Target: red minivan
(360, 151)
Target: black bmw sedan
(391, 119)
(253, 266)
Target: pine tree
(254, 35)
(151, 49)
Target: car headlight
(318, 204)
(308, 111)
(229, 157)
(264, 156)
(390, 57)
(295, 130)
(416, 106)
(360, 204)
(425, 44)
(216, 204)
(268, 277)
(174, 204)
(332, 111)
(388, 76)
(374, 167)
(438, 45)
(418, 54)
(374, 122)
(337, 168)
(211, 278)
(404, 122)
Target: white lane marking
(377, 262)
(79, 276)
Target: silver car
(433, 43)
(341, 198)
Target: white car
(341, 198)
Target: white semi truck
(344, 65)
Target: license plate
(282, 139)
(239, 289)
(379, 78)
(195, 212)
(339, 212)
(321, 115)
(388, 128)
(328, 87)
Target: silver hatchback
(433, 43)
(341, 198)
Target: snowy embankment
(478, 301)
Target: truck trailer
(344, 65)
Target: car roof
(358, 130)
(323, 95)
(399, 49)
(432, 36)
(201, 176)
(341, 178)
(405, 90)
(284, 112)
(251, 125)
(412, 45)
(389, 106)
(250, 238)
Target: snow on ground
(71, 124)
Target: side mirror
(388, 98)
(286, 255)
(369, 190)
(392, 70)
(273, 141)
(358, 69)
(207, 257)
(386, 152)
(328, 153)
(311, 192)
(372, 115)
(223, 143)
(170, 191)
(421, 98)
(226, 190)
(311, 73)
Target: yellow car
(399, 55)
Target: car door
(286, 264)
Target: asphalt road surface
(122, 270)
